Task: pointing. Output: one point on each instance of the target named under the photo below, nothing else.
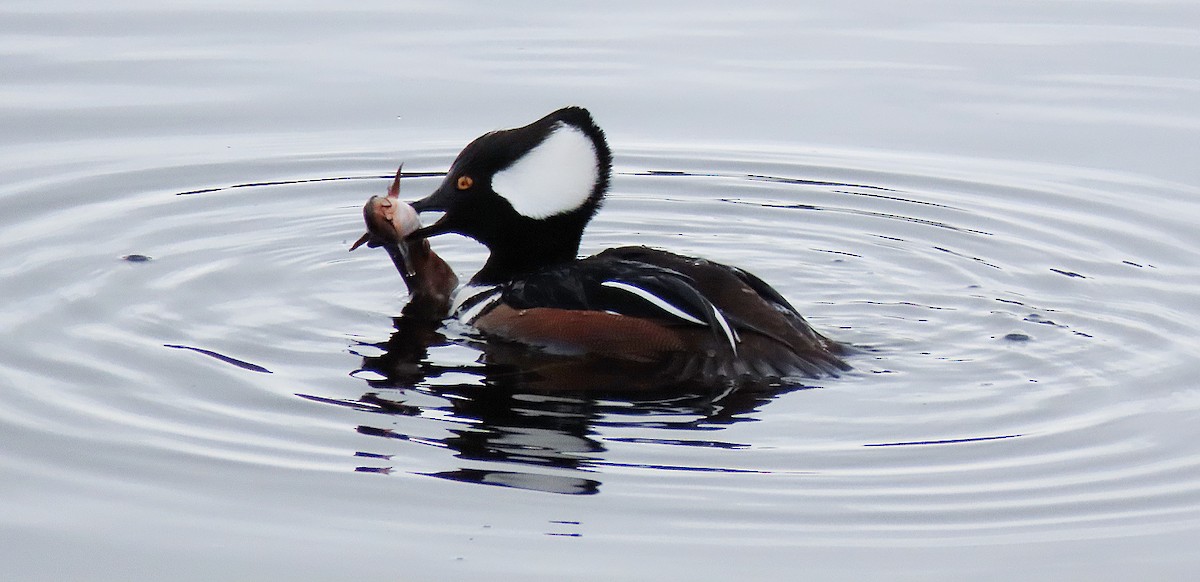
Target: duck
(527, 194)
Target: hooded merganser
(527, 194)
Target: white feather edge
(469, 292)
(653, 299)
(730, 334)
(666, 306)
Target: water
(997, 200)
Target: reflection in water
(531, 410)
(222, 357)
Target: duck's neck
(512, 263)
(527, 250)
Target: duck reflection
(537, 416)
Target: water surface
(997, 202)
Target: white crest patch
(556, 176)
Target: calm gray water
(997, 199)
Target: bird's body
(527, 194)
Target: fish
(430, 280)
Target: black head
(525, 193)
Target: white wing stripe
(730, 334)
(654, 300)
(468, 292)
(469, 314)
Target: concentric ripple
(1027, 342)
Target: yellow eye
(465, 182)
